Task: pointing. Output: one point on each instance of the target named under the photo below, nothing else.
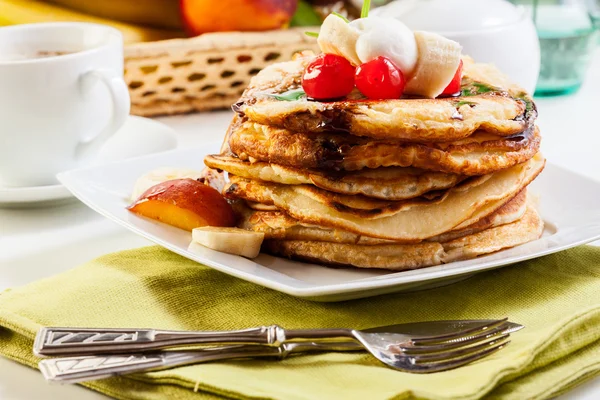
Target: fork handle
(82, 341)
(87, 368)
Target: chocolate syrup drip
(237, 108)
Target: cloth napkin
(556, 297)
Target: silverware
(87, 368)
(418, 347)
(82, 341)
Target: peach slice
(184, 203)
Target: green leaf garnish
(305, 15)
(364, 13)
(530, 110)
(312, 34)
(464, 102)
(337, 14)
(290, 95)
(477, 88)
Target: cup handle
(120, 108)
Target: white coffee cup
(62, 95)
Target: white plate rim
(307, 290)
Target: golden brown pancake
(400, 257)
(278, 225)
(412, 220)
(358, 205)
(391, 183)
(488, 102)
(479, 154)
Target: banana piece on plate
(229, 240)
(160, 175)
(436, 65)
(338, 37)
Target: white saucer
(138, 136)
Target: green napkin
(556, 297)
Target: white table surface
(35, 243)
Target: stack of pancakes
(394, 184)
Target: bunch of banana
(138, 21)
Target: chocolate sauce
(231, 189)
(237, 107)
(530, 112)
(524, 136)
(364, 213)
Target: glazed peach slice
(184, 203)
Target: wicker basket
(203, 73)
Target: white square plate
(568, 204)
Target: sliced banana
(337, 37)
(436, 65)
(229, 240)
(160, 175)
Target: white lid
(452, 15)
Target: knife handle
(87, 368)
(84, 341)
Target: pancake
(400, 257)
(420, 220)
(391, 183)
(278, 225)
(529, 227)
(509, 212)
(361, 206)
(479, 154)
(488, 102)
(261, 207)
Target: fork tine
(470, 340)
(463, 351)
(457, 362)
(486, 326)
(417, 351)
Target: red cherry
(453, 87)
(380, 79)
(328, 76)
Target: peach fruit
(184, 203)
(201, 16)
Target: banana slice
(338, 37)
(160, 175)
(436, 65)
(229, 240)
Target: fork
(406, 337)
(88, 368)
(452, 344)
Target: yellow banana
(436, 65)
(337, 37)
(229, 240)
(13, 12)
(157, 13)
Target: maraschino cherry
(453, 87)
(328, 76)
(380, 79)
